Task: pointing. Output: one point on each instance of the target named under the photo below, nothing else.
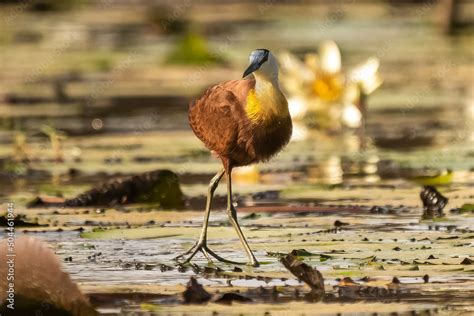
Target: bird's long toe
(194, 249)
(221, 259)
(191, 252)
(208, 253)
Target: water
(124, 112)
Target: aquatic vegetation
(21, 151)
(55, 138)
(160, 186)
(322, 93)
(443, 177)
(467, 208)
(104, 63)
(312, 277)
(193, 49)
(388, 257)
(433, 202)
(195, 293)
(354, 215)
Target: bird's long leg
(201, 244)
(232, 212)
(210, 194)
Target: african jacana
(243, 122)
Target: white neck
(267, 74)
(262, 81)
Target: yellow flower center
(328, 87)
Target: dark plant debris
(433, 202)
(228, 298)
(311, 276)
(467, 261)
(338, 223)
(426, 278)
(20, 221)
(195, 293)
(159, 186)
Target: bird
(242, 122)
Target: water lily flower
(366, 76)
(319, 90)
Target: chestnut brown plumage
(220, 121)
(243, 122)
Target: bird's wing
(215, 117)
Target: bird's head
(262, 63)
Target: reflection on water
(328, 171)
(312, 157)
(349, 197)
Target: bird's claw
(202, 247)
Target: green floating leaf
(324, 257)
(444, 178)
(135, 233)
(467, 208)
(149, 307)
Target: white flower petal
(365, 75)
(330, 57)
(351, 93)
(351, 116)
(297, 106)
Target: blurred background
(378, 89)
(381, 95)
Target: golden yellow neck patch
(266, 105)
